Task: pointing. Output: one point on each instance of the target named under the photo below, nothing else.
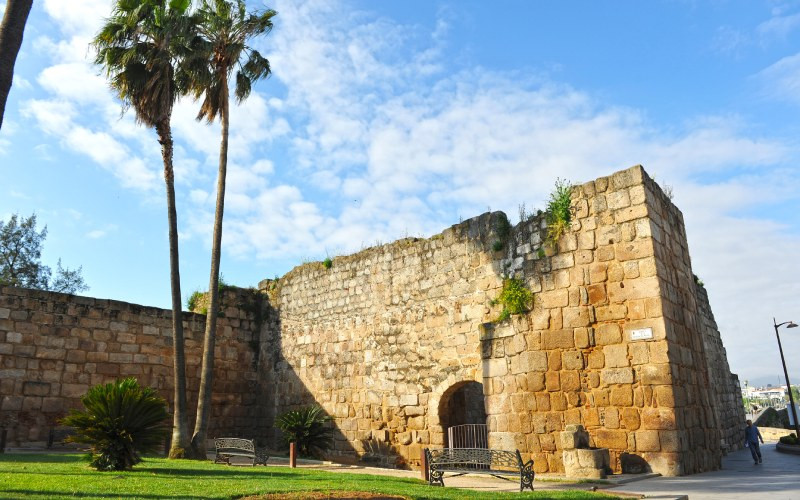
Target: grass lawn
(40, 476)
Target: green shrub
(307, 427)
(497, 245)
(559, 211)
(194, 298)
(121, 422)
(327, 263)
(790, 439)
(515, 297)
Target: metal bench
(497, 463)
(236, 447)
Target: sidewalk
(778, 478)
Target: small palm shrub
(121, 421)
(307, 427)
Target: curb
(791, 449)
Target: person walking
(751, 438)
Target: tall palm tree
(227, 28)
(11, 30)
(141, 47)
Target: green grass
(48, 476)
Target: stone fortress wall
(398, 343)
(620, 339)
(54, 346)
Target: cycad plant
(307, 427)
(121, 421)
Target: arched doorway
(462, 414)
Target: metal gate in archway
(468, 436)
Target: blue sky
(391, 119)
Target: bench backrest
(234, 444)
(468, 457)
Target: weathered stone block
(572, 360)
(653, 374)
(597, 359)
(613, 439)
(671, 441)
(658, 418)
(621, 396)
(558, 339)
(555, 298)
(552, 381)
(608, 333)
(647, 441)
(574, 317)
(616, 355)
(611, 312)
(629, 418)
(617, 376)
(32, 388)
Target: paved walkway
(778, 478)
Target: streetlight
(789, 324)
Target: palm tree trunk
(11, 31)
(207, 373)
(180, 421)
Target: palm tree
(141, 47)
(227, 28)
(11, 30)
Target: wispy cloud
(781, 80)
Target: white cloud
(78, 18)
(95, 234)
(22, 83)
(77, 82)
(779, 26)
(781, 80)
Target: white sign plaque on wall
(642, 334)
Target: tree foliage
(20, 259)
(307, 427)
(121, 421)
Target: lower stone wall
(726, 393)
(54, 346)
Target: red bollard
(293, 455)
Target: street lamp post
(789, 324)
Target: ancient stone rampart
(54, 346)
(386, 339)
(402, 341)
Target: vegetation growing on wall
(515, 298)
(194, 300)
(327, 263)
(559, 211)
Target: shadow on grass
(50, 458)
